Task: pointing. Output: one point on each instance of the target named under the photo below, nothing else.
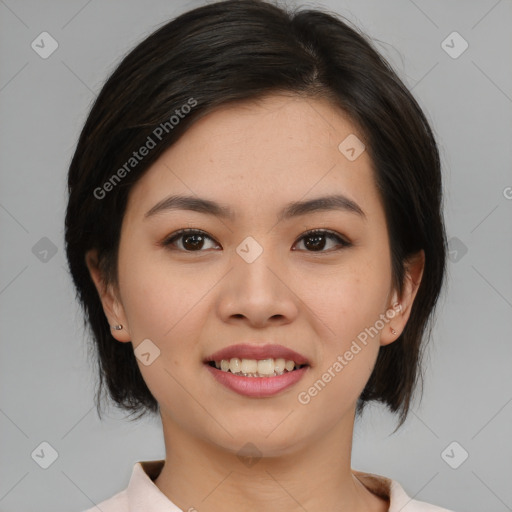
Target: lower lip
(257, 387)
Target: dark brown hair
(238, 50)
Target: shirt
(143, 494)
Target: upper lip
(268, 351)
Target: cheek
(338, 380)
(347, 299)
(347, 305)
(169, 307)
(159, 298)
(335, 388)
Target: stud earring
(393, 331)
(117, 327)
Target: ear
(402, 306)
(112, 306)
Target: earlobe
(402, 305)
(112, 307)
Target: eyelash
(325, 232)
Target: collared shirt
(143, 494)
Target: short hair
(234, 51)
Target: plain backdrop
(454, 450)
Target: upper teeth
(252, 366)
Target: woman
(254, 229)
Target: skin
(256, 157)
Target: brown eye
(315, 241)
(192, 240)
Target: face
(256, 276)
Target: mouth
(256, 368)
(257, 371)
(252, 360)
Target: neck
(199, 475)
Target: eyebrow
(294, 209)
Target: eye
(193, 240)
(315, 239)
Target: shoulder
(117, 503)
(399, 500)
(140, 494)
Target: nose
(259, 293)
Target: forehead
(256, 154)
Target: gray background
(46, 378)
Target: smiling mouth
(256, 367)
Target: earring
(393, 331)
(117, 327)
